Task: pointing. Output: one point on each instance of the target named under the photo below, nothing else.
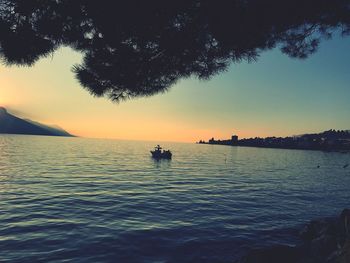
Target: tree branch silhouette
(140, 48)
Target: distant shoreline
(328, 141)
(41, 135)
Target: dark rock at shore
(285, 254)
(324, 241)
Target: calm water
(84, 200)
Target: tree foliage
(139, 48)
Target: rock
(315, 229)
(324, 241)
(344, 256)
(285, 254)
(345, 221)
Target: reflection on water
(162, 163)
(109, 201)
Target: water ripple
(83, 200)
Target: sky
(275, 96)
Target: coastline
(323, 241)
(328, 141)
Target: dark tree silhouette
(139, 48)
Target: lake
(95, 200)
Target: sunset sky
(274, 96)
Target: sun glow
(7, 98)
(12, 91)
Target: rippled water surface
(85, 200)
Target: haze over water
(86, 200)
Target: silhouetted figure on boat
(159, 154)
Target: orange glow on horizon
(166, 132)
(232, 103)
(147, 130)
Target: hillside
(11, 124)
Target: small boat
(159, 154)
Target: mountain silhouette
(11, 124)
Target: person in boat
(166, 154)
(158, 150)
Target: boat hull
(161, 155)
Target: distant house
(234, 139)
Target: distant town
(331, 140)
